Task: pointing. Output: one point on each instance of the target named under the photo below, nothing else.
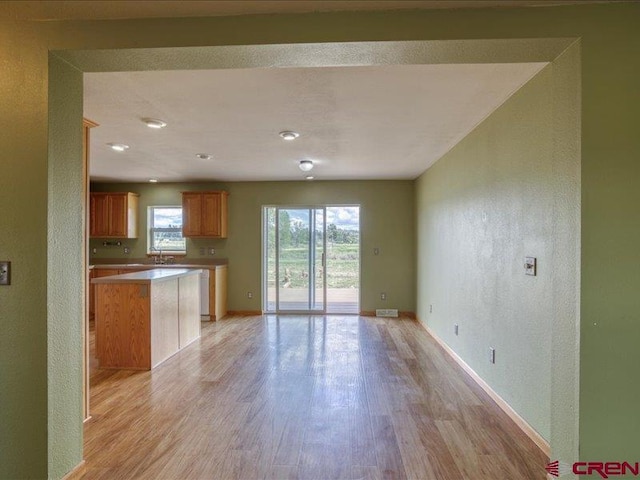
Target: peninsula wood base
(143, 318)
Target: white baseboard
(519, 421)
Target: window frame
(151, 248)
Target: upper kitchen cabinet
(114, 215)
(204, 214)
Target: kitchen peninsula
(143, 318)
(213, 281)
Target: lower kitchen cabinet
(143, 318)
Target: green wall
(610, 232)
(511, 189)
(23, 304)
(386, 216)
(64, 261)
(480, 210)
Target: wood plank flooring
(299, 397)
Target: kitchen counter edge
(147, 276)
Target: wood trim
(506, 408)
(77, 472)
(220, 292)
(87, 125)
(243, 313)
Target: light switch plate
(492, 355)
(5, 273)
(530, 265)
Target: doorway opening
(311, 259)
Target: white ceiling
(362, 122)
(373, 122)
(101, 9)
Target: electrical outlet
(455, 329)
(249, 294)
(127, 250)
(94, 250)
(492, 355)
(212, 251)
(376, 251)
(5, 273)
(383, 296)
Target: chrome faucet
(158, 259)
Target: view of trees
(295, 233)
(342, 252)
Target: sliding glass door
(294, 242)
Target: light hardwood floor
(298, 397)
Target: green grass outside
(342, 260)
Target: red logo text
(606, 469)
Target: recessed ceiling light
(204, 156)
(118, 147)
(154, 123)
(306, 165)
(309, 177)
(153, 180)
(289, 135)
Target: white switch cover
(5, 273)
(530, 265)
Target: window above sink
(164, 227)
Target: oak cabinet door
(211, 214)
(99, 208)
(118, 216)
(191, 214)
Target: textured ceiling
(376, 122)
(92, 9)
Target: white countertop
(148, 276)
(137, 266)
